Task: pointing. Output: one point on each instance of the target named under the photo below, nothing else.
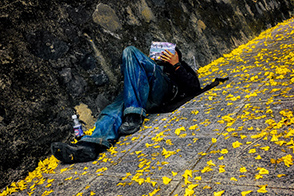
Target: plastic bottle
(77, 127)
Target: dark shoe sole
(126, 129)
(72, 154)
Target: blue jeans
(145, 87)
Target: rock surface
(56, 55)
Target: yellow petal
(198, 178)
(213, 140)
(280, 175)
(221, 170)
(262, 189)
(243, 169)
(236, 144)
(166, 180)
(252, 151)
(244, 193)
(210, 163)
(218, 193)
(224, 151)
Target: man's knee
(129, 50)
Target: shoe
(73, 153)
(131, 125)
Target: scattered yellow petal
(198, 178)
(206, 169)
(243, 169)
(224, 151)
(253, 150)
(166, 180)
(280, 175)
(244, 193)
(262, 189)
(178, 130)
(236, 144)
(258, 176)
(266, 148)
(221, 170)
(68, 178)
(193, 127)
(169, 142)
(210, 163)
(263, 171)
(218, 193)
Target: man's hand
(169, 57)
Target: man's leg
(105, 132)
(107, 124)
(145, 84)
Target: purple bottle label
(78, 131)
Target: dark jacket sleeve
(186, 77)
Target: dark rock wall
(55, 55)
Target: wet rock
(100, 79)
(66, 75)
(101, 101)
(79, 15)
(45, 45)
(88, 62)
(105, 16)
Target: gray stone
(45, 45)
(100, 79)
(105, 16)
